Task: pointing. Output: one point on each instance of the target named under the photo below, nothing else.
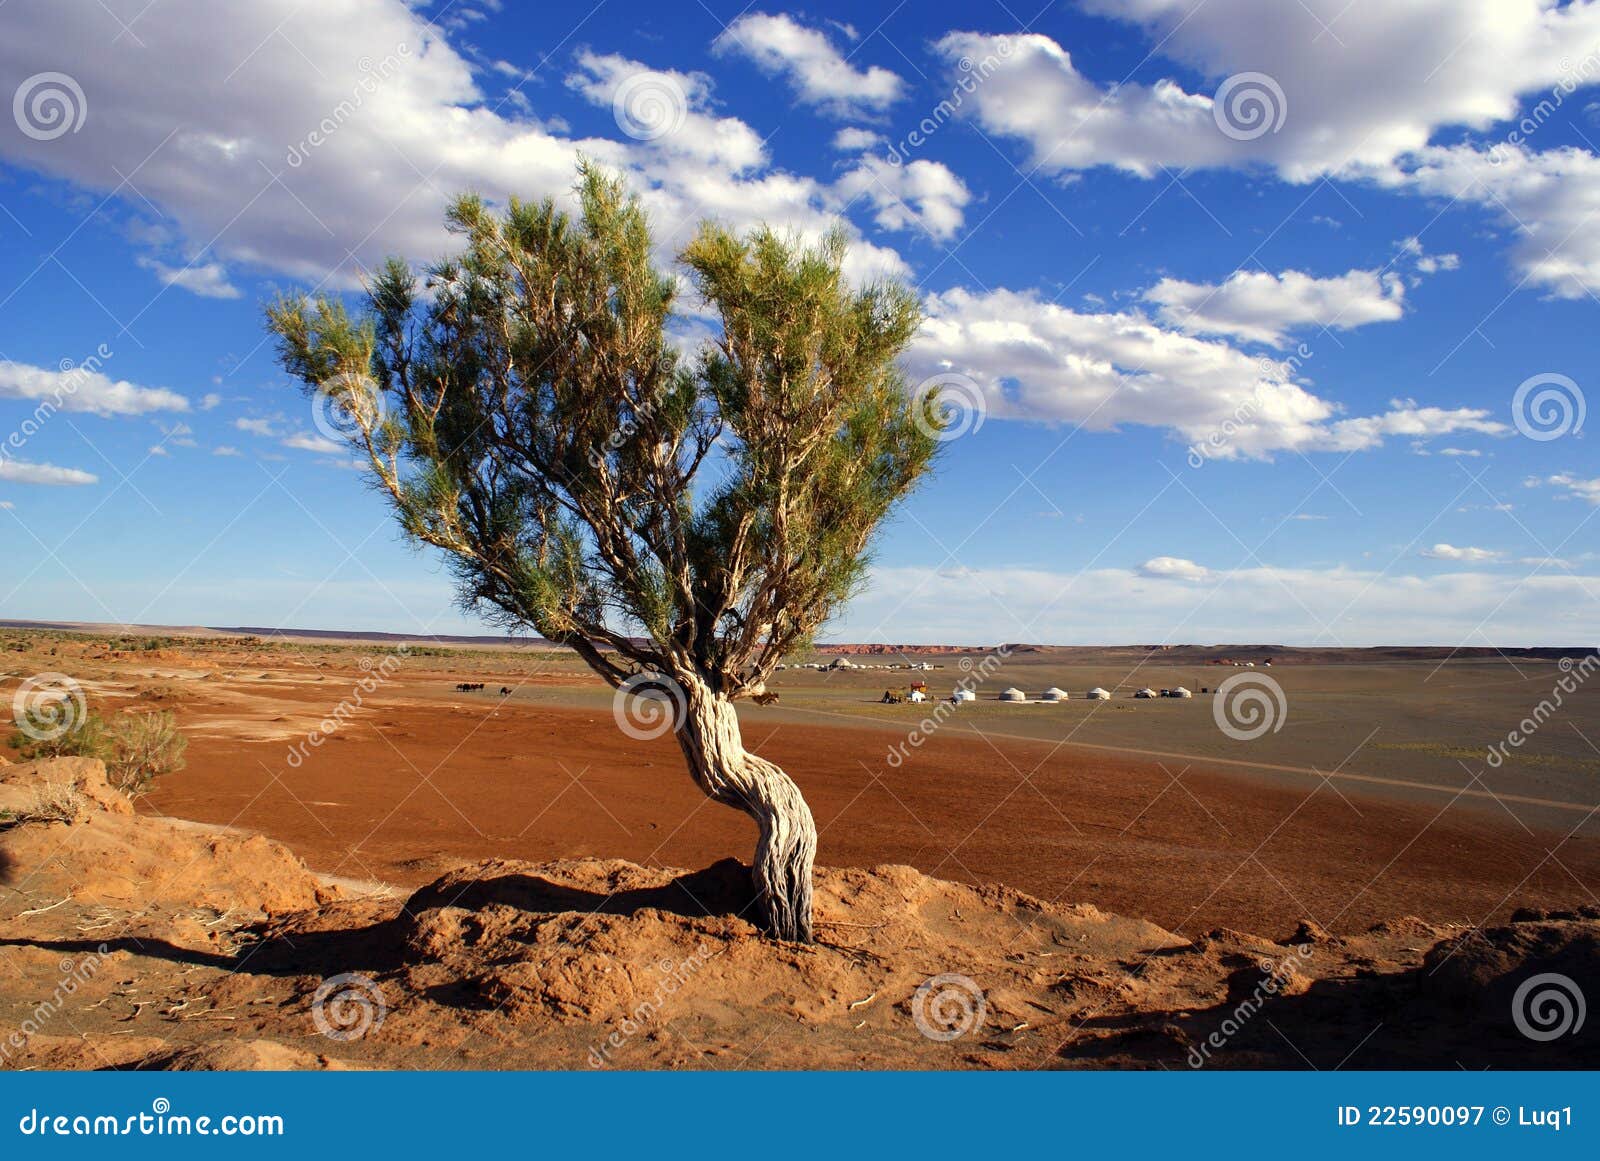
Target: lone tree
(685, 522)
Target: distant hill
(1182, 654)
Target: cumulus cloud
(924, 195)
(1036, 360)
(241, 179)
(22, 472)
(82, 389)
(1468, 555)
(1551, 200)
(1444, 65)
(1260, 307)
(816, 70)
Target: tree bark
(709, 736)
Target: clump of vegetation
(137, 748)
(143, 748)
(56, 801)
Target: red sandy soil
(421, 781)
(190, 948)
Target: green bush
(143, 748)
(137, 748)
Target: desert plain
(520, 882)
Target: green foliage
(37, 738)
(143, 747)
(137, 748)
(524, 410)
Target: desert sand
(518, 884)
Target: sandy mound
(80, 840)
(190, 949)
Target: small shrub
(86, 739)
(143, 747)
(57, 801)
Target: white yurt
(1145, 692)
(1053, 694)
(916, 695)
(1098, 694)
(1013, 694)
(1182, 692)
(963, 695)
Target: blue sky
(1236, 297)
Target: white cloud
(1039, 361)
(262, 427)
(1575, 487)
(20, 472)
(210, 400)
(1175, 567)
(853, 139)
(379, 182)
(224, 450)
(819, 74)
(208, 280)
(1441, 64)
(1260, 307)
(1466, 555)
(80, 389)
(1550, 200)
(315, 443)
(922, 195)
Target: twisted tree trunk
(710, 738)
